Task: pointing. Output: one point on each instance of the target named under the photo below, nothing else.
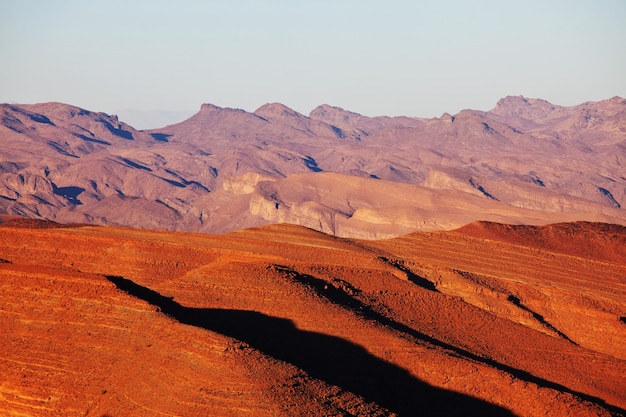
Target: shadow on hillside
(411, 276)
(338, 296)
(328, 358)
(517, 302)
(161, 137)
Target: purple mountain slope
(525, 161)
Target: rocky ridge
(526, 161)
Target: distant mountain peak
(617, 100)
(276, 111)
(210, 108)
(513, 102)
(56, 110)
(520, 105)
(330, 113)
(447, 117)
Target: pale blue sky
(393, 57)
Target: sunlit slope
(283, 320)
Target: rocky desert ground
(282, 320)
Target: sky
(392, 57)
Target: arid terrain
(526, 161)
(281, 320)
(269, 263)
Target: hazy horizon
(399, 58)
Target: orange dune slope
(286, 321)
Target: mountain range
(526, 161)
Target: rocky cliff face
(525, 161)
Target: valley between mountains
(486, 320)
